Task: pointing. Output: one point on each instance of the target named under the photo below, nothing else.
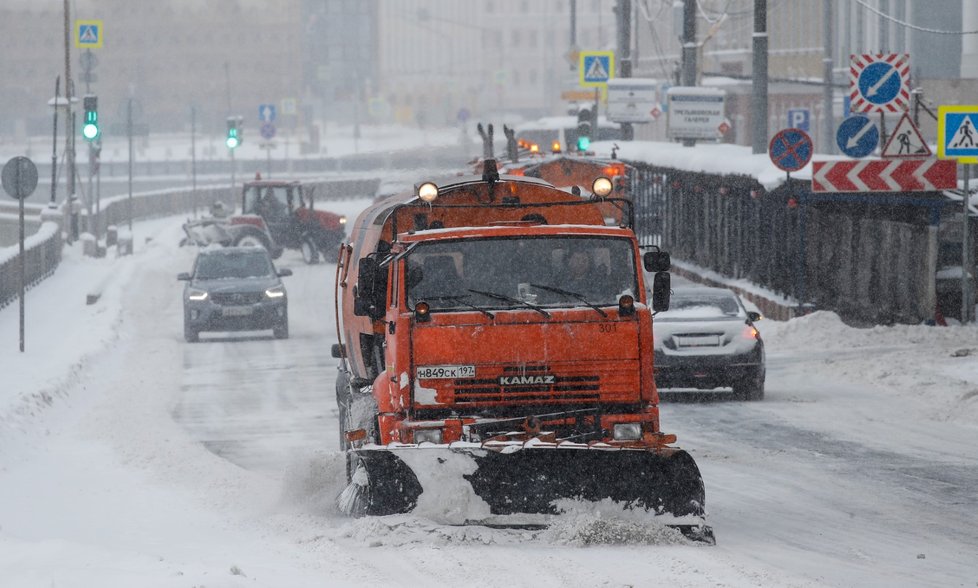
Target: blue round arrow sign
(790, 149)
(879, 83)
(857, 136)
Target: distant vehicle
(276, 215)
(546, 131)
(234, 289)
(707, 340)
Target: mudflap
(529, 486)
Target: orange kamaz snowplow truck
(496, 360)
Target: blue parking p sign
(799, 118)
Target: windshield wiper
(509, 299)
(459, 299)
(572, 295)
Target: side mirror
(284, 272)
(656, 261)
(661, 289)
(183, 277)
(754, 316)
(337, 350)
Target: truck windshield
(501, 273)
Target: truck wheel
(310, 254)
(251, 237)
(750, 388)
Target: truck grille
(530, 384)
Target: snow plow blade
(528, 487)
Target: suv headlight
(427, 435)
(275, 291)
(196, 295)
(627, 431)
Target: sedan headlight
(427, 435)
(196, 295)
(275, 291)
(628, 431)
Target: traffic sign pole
(967, 267)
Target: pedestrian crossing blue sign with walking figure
(596, 67)
(957, 133)
(88, 34)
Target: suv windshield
(243, 264)
(521, 273)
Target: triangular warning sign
(596, 72)
(906, 141)
(965, 137)
(88, 34)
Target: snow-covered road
(131, 458)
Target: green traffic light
(90, 131)
(583, 142)
(232, 141)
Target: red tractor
(280, 214)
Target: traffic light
(90, 129)
(234, 137)
(583, 129)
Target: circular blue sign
(790, 149)
(879, 83)
(857, 136)
(267, 130)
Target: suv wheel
(282, 330)
(190, 334)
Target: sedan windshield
(233, 265)
(702, 306)
(521, 273)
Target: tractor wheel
(251, 237)
(310, 254)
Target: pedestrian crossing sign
(596, 67)
(957, 133)
(88, 34)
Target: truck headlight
(197, 295)
(427, 435)
(627, 431)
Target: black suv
(234, 289)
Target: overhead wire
(905, 24)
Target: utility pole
(193, 158)
(624, 13)
(689, 50)
(70, 225)
(129, 134)
(759, 93)
(828, 117)
(54, 144)
(573, 30)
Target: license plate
(435, 372)
(698, 341)
(236, 311)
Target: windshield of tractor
(502, 273)
(267, 201)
